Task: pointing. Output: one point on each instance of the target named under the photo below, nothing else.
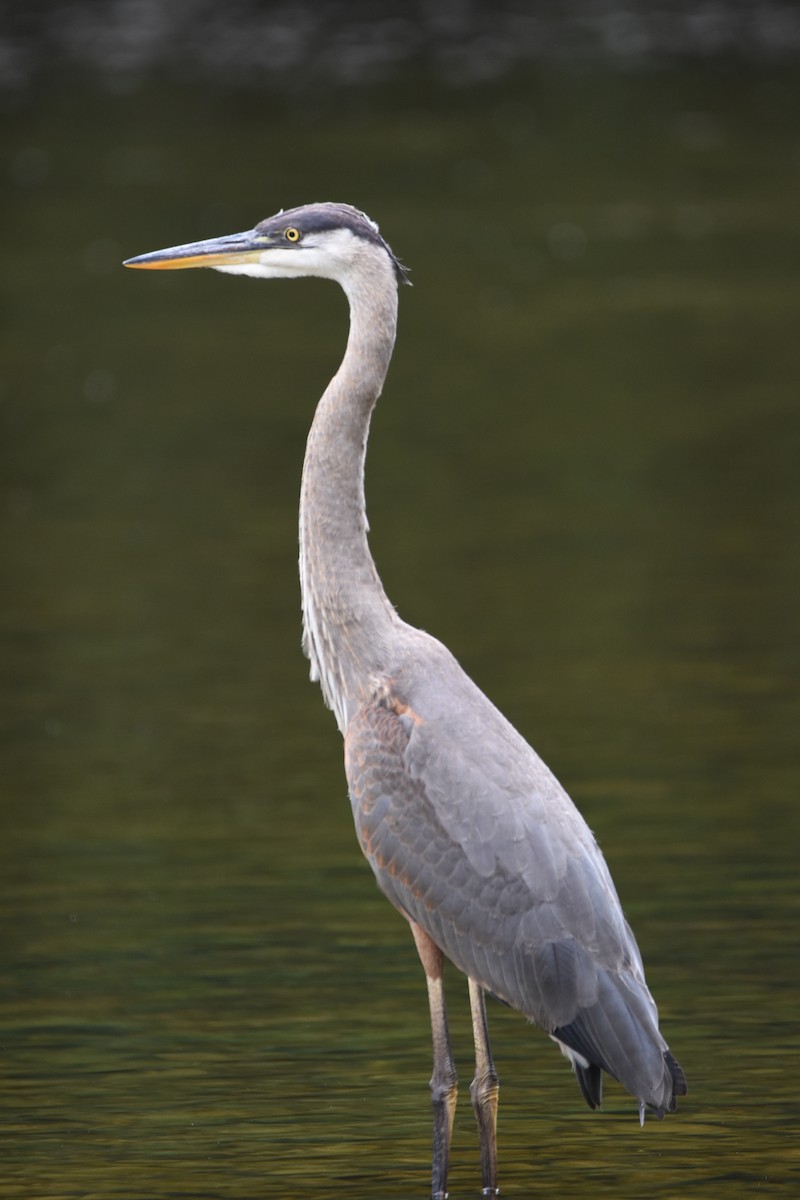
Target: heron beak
(215, 252)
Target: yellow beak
(215, 252)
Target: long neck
(348, 621)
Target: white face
(324, 255)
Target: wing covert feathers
(491, 858)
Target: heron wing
(471, 836)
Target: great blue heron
(468, 833)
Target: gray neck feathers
(348, 621)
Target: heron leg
(484, 1090)
(444, 1088)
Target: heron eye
(292, 234)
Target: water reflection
(582, 477)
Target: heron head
(317, 239)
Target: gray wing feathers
(471, 836)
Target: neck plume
(348, 621)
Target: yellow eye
(292, 234)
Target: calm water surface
(583, 477)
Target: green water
(583, 477)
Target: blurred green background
(582, 477)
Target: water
(582, 476)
